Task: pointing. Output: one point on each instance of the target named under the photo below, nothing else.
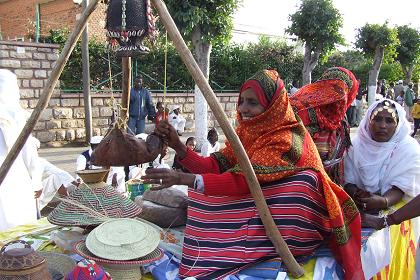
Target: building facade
(22, 20)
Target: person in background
(162, 113)
(295, 87)
(116, 176)
(390, 94)
(409, 101)
(400, 98)
(191, 143)
(359, 103)
(383, 88)
(212, 145)
(416, 116)
(398, 89)
(18, 205)
(177, 120)
(141, 106)
(322, 107)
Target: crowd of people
(320, 185)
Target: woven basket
(58, 263)
(123, 239)
(120, 270)
(105, 203)
(90, 176)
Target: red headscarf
(323, 104)
(278, 145)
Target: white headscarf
(377, 166)
(12, 115)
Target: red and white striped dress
(225, 233)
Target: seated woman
(322, 107)
(381, 168)
(383, 163)
(224, 232)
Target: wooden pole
(48, 89)
(86, 80)
(125, 97)
(255, 189)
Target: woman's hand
(372, 202)
(167, 131)
(162, 177)
(165, 178)
(372, 221)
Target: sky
(271, 16)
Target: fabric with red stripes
(225, 233)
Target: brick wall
(17, 18)
(62, 121)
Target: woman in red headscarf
(322, 108)
(224, 232)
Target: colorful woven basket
(87, 206)
(119, 270)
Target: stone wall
(63, 120)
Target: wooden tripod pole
(255, 189)
(126, 81)
(48, 89)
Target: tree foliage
(213, 17)
(408, 52)
(317, 23)
(409, 48)
(372, 36)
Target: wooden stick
(255, 189)
(125, 97)
(48, 89)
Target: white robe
(17, 202)
(377, 166)
(52, 179)
(177, 121)
(207, 149)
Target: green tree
(317, 24)
(374, 40)
(203, 23)
(408, 52)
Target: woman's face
(191, 144)
(382, 126)
(249, 106)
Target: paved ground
(65, 158)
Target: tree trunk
(309, 63)
(374, 73)
(202, 55)
(408, 73)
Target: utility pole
(86, 79)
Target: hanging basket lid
(93, 175)
(122, 239)
(87, 206)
